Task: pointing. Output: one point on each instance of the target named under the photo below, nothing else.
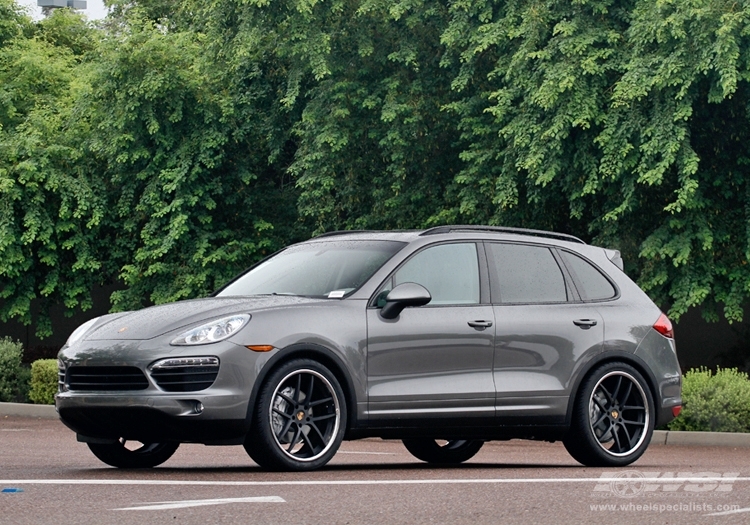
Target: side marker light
(260, 348)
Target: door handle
(480, 324)
(585, 323)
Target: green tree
(50, 197)
(192, 192)
(628, 119)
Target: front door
(434, 361)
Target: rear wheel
(443, 451)
(299, 420)
(612, 419)
(133, 454)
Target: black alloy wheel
(613, 417)
(300, 418)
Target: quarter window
(525, 274)
(450, 272)
(595, 286)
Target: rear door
(544, 330)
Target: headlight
(80, 331)
(212, 332)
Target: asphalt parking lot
(48, 477)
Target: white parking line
(168, 505)
(459, 481)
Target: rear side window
(595, 287)
(525, 274)
(450, 272)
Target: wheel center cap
(615, 414)
(300, 415)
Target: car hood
(158, 320)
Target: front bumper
(217, 414)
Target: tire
(148, 455)
(613, 417)
(299, 419)
(443, 452)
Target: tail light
(664, 326)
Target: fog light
(198, 408)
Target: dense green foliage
(716, 402)
(43, 381)
(14, 377)
(180, 140)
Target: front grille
(185, 378)
(106, 378)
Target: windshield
(319, 269)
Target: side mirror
(403, 295)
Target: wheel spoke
(617, 389)
(320, 402)
(627, 435)
(308, 397)
(638, 423)
(633, 407)
(319, 434)
(627, 393)
(601, 418)
(286, 398)
(298, 392)
(282, 414)
(616, 438)
(287, 424)
(293, 442)
(323, 417)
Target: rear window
(525, 274)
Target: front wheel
(443, 451)
(612, 419)
(299, 419)
(133, 454)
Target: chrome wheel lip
(646, 421)
(337, 409)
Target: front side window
(525, 274)
(316, 269)
(450, 272)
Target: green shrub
(717, 402)
(43, 381)
(14, 377)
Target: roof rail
(346, 232)
(502, 229)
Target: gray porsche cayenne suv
(444, 338)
